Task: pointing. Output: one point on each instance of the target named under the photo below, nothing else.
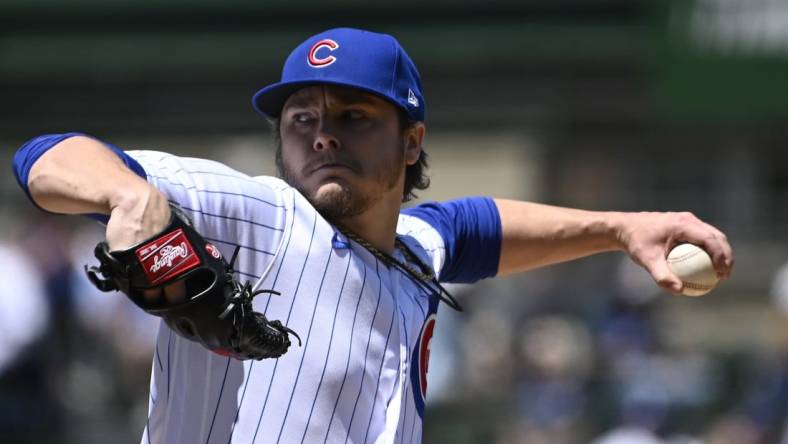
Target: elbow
(40, 186)
(30, 153)
(37, 179)
(72, 174)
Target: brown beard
(346, 203)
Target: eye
(302, 118)
(354, 114)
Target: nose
(325, 138)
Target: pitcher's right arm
(81, 175)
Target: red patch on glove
(167, 257)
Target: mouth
(331, 166)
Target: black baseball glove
(217, 310)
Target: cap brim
(270, 100)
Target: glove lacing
(240, 303)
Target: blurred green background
(600, 104)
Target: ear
(414, 137)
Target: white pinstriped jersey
(359, 376)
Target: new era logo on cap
(369, 61)
(412, 99)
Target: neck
(377, 225)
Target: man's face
(344, 149)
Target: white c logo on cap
(316, 62)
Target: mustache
(319, 162)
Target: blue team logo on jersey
(419, 363)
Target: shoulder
(153, 160)
(219, 198)
(421, 237)
(410, 225)
(463, 236)
(273, 182)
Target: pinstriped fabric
(216, 410)
(287, 322)
(328, 353)
(301, 363)
(377, 405)
(359, 321)
(366, 361)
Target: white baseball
(693, 266)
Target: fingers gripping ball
(216, 310)
(694, 267)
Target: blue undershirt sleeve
(471, 231)
(34, 148)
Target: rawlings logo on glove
(217, 311)
(163, 257)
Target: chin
(330, 190)
(334, 201)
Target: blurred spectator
(24, 312)
(628, 435)
(554, 359)
(487, 343)
(112, 316)
(116, 362)
(26, 413)
(734, 429)
(779, 290)
(74, 362)
(126, 333)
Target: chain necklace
(421, 276)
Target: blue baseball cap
(366, 60)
